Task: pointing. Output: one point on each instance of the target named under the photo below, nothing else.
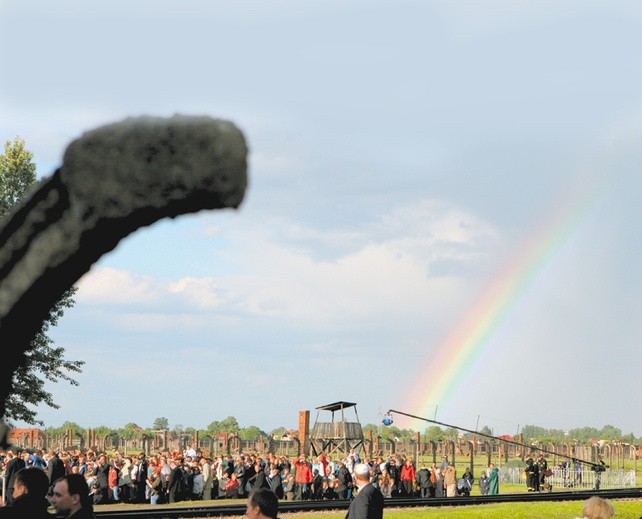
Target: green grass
(625, 509)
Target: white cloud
(201, 292)
(384, 272)
(384, 276)
(107, 286)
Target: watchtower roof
(336, 406)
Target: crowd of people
(189, 474)
(73, 482)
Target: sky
(443, 213)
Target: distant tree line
(582, 434)
(528, 432)
(434, 433)
(132, 430)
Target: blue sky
(400, 153)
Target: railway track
(224, 510)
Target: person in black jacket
(259, 479)
(542, 466)
(368, 504)
(274, 482)
(344, 481)
(30, 487)
(532, 474)
(176, 484)
(247, 475)
(14, 464)
(317, 485)
(141, 478)
(423, 480)
(55, 468)
(101, 471)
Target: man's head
(70, 494)
(597, 508)
(31, 481)
(362, 472)
(262, 503)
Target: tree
(451, 433)
(161, 424)
(251, 433)
(630, 438)
(229, 425)
(58, 431)
(533, 432)
(584, 434)
(17, 174)
(610, 432)
(42, 361)
(434, 433)
(129, 431)
(102, 431)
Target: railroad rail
(238, 509)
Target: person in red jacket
(407, 477)
(302, 478)
(112, 481)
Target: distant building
(27, 438)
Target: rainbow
(448, 369)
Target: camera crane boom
(594, 466)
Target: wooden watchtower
(337, 435)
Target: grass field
(626, 509)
